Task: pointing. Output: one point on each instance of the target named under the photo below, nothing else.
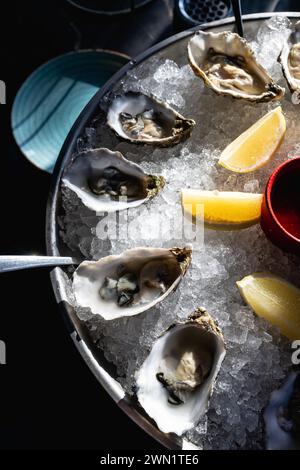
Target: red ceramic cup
(280, 216)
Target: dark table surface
(49, 398)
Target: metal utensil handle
(236, 6)
(16, 262)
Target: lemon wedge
(274, 299)
(254, 147)
(222, 209)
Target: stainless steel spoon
(16, 262)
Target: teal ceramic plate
(50, 100)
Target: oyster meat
(141, 118)
(289, 59)
(105, 181)
(130, 283)
(176, 380)
(227, 64)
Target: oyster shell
(105, 181)
(144, 119)
(227, 64)
(289, 59)
(130, 283)
(176, 380)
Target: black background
(48, 397)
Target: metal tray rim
(112, 387)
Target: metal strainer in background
(193, 12)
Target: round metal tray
(173, 48)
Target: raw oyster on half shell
(227, 65)
(144, 119)
(130, 283)
(176, 380)
(289, 59)
(105, 181)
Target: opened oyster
(227, 64)
(130, 283)
(175, 382)
(141, 118)
(290, 60)
(106, 182)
